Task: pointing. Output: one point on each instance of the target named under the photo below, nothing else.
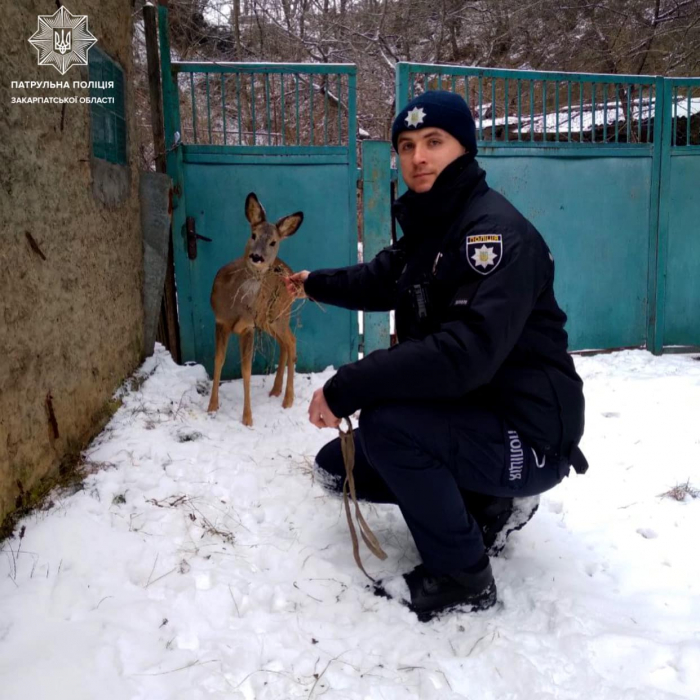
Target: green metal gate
(606, 166)
(679, 216)
(589, 159)
(288, 133)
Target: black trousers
(424, 457)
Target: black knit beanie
(441, 109)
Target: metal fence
(239, 104)
(606, 166)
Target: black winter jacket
(471, 281)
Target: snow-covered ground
(202, 561)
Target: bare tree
(607, 36)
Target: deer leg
(279, 377)
(222, 334)
(245, 341)
(291, 343)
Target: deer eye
(272, 244)
(253, 236)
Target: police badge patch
(484, 252)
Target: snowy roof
(588, 117)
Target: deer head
(262, 246)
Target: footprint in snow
(188, 435)
(647, 533)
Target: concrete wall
(71, 313)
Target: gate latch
(192, 237)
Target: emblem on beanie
(415, 117)
(484, 252)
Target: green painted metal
(376, 230)
(239, 112)
(628, 121)
(267, 104)
(494, 115)
(544, 105)
(658, 200)
(552, 92)
(270, 150)
(339, 89)
(674, 97)
(209, 110)
(223, 104)
(211, 182)
(612, 209)
(604, 88)
(325, 116)
(297, 107)
(620, 215)
(253, 120)
(532, 110)
(282, 108)
(564, 150)
(325, 335)
(311, 111)
(108, 121)
(682, 268)
(269, 68)
(481, 108)
(194, 108)
(449, 70)
(680, 213)
(593, 214)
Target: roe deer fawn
(249, 294)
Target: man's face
(424, 154)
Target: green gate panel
(594, 215)
(376, 230)
(216, 198)
(288, 133)
(682, 301)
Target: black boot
(433, 594)
(498, 517)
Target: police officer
(478, 408)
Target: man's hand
(295, 284)
(319, 412)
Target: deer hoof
(213, 407)
(275, 391)
(248, 420)
(288, 401)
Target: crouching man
(478, 408)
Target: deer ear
(254, 211)
(288, 225)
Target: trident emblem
(62, 40)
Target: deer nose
(256, 258)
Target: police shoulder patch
(484, 252)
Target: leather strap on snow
(347, 444)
